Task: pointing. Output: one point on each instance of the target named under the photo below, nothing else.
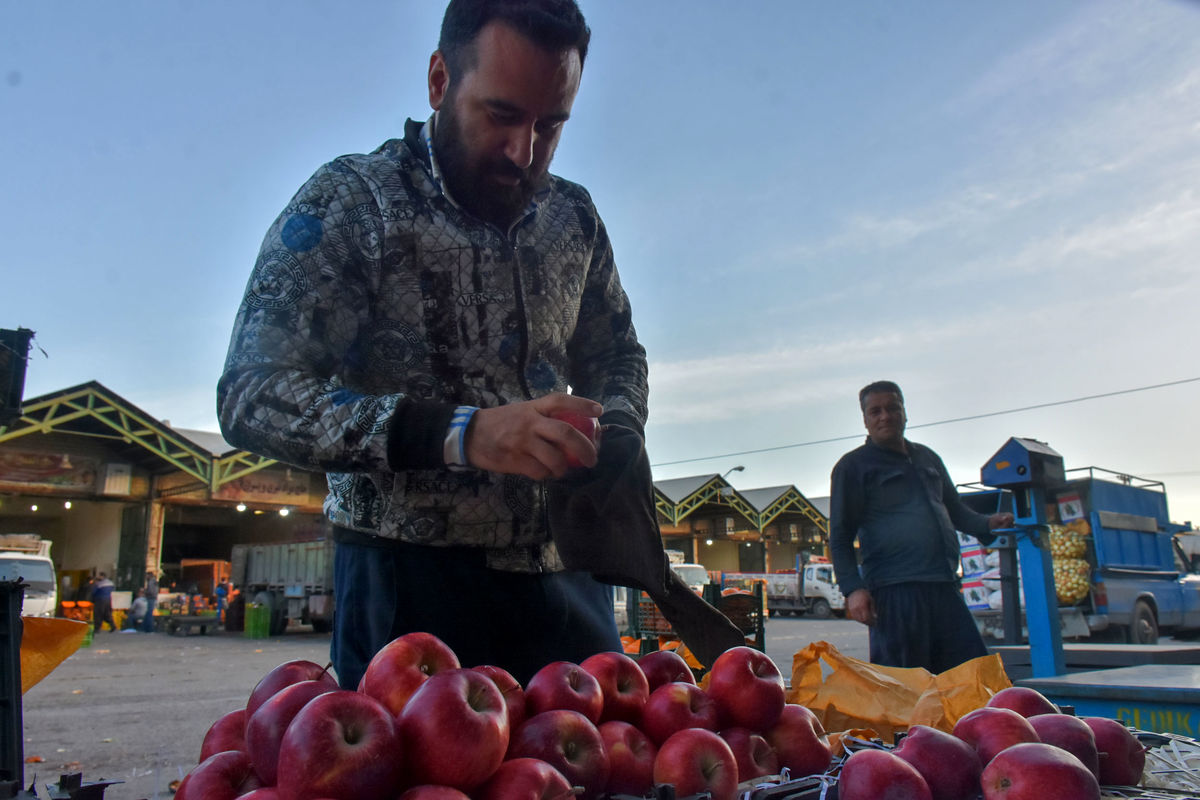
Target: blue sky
(994, 204)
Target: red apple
(402, 665)
(341, 744)
(221, 776)
(285, 675)
(747, 688)
(1023, 700)
(622, 684)
(526, 779)
(752, 753)
(1071, 734)
(1122, 757)
(949, 765)
(1035, 770)
(588, 426)
(427, 792)
(990, 730)
(456, 728)
(630, 758)
(510, 688)
(675, 706)
(265, 729)
(227, 733)
(665, 666)
(263, 793)
(799, 741)
(562, 684)
(695, 760)
(880, 775)
(567, 741)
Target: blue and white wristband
(454, 448)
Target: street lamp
(738, 468)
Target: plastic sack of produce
(846, 692)
(46, 643)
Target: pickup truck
(1138, 580)
(27, 556)
(809, 589)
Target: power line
(931, 424)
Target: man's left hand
(1001, 519)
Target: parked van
(27, 556)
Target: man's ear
(439, 80)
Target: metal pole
(12, 748)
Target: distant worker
(897, 499)
(151, 591)
(137, 611)
(102, 603)
(222, 593)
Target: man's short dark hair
(551, 24)
(878, 387)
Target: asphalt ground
(134, 707)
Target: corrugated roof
(821, 504)
(761, 498)
(210, 441)
(676, 489)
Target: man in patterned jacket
(415, 318)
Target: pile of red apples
(1017, 747)
(422, 727)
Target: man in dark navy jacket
(897, 499)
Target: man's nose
(519, 147)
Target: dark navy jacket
(904, 511)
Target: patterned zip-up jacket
(377, 306)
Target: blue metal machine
(1028, 469)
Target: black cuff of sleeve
(623, 418)
(417, 435)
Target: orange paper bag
(857, 694)
(46, 643)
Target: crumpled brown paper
(857, 694)
(46, 643)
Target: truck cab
(26, 556)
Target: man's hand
(1001, 519)
(523, 439)
(860, 607)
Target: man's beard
(470, 183)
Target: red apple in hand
(526, 779)
(990, 730)
(402, 665)
(799, 741)
(510, 688)
(1023, 700)
(665, 666)
(1122, 757)
(752, 753)
(880, 775)
(1036, 770)
(222, 776)
(675, 706)
(1071, 734)
(456, 728)
(561, 684)
(227, 733)
(588, 426)
(747, 688)
(341, 744)
(567, 741)
(695, 760)
(948, 764)
(622, 683)
(285, 675)
(630, 758)
(265, 729)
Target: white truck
(293, 579)
(810, 589)
(26, 557)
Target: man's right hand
(860, 607)
(523, 439)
